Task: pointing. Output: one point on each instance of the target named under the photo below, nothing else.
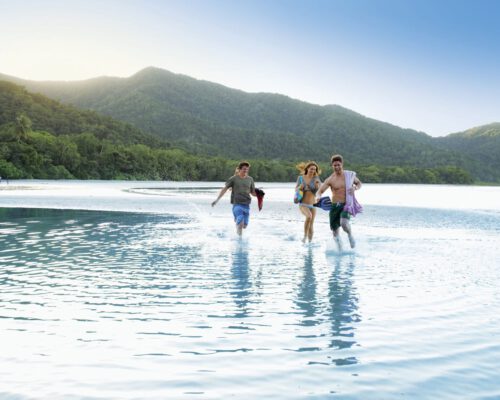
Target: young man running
(342, 184)
(242, 186)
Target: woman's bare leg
(307, 223)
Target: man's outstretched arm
(221, 193)
(325, 185)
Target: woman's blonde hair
(303, 167)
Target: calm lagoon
(141, 290)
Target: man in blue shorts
(242, 186)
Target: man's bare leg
(336, 238)
(239, 228)
(346, 226)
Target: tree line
(43, 139)
(215, 121)
(31, 154)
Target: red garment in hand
(260, 197)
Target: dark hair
(243, 164)
(336, 157)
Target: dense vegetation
(212, 120)
(49, 115)
(36, 154)
(41, 138)
(481, 143)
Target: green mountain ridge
(492, 129)
(213, 120)
(43, 139)
(479, 143)
(49, 115)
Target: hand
(214, 203)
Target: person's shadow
(343, 309)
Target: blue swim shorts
(241, 212)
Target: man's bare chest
(338, 182)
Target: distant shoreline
(12, 185)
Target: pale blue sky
(426, 65)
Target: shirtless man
(337, 183)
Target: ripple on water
(172, 306)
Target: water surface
(141, 290)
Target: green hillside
(41, 138)
(481, 143)
(49, 115)
(211, 119)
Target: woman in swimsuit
(309, 182)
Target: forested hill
(41, 138)
(49, 115)
(211, 119)
(481, 143)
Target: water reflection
(336, 308)
(306, 296)
(343, 307)
(241, 280)
(273, 319)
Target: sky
(432, 66)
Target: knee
(345, 226)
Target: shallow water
(143, 291)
